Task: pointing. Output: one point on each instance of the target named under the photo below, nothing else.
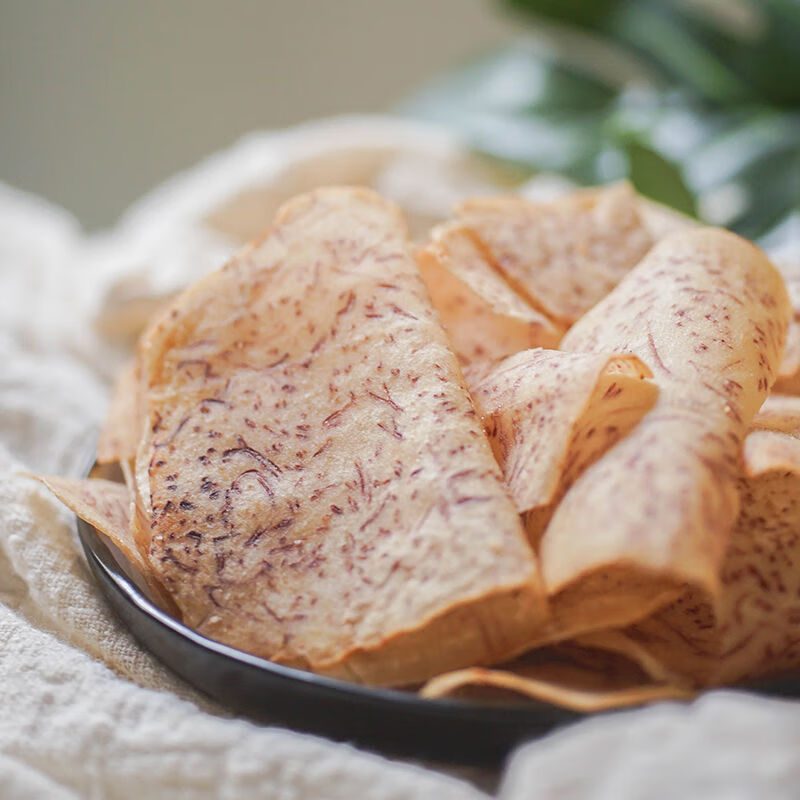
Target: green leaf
(585, 13)
(517, 80)
(680, 49)
(562, 108)
(742, 50)
(657, 178)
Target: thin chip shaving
(579, 678)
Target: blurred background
(697, 102)
(103, 100)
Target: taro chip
(582, 679)
(780, 412)
(320, 488)
(752, 629)
(707, 312)
(103, 504)
(484, 318)
(106, 506)
(550, 414)
(789, 373)
(566, 255)
(121, 430)
(623, 645)
(661, 220)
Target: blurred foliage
(725, 50)
(697, 102)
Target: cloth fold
(86, 712)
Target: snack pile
(536, 453)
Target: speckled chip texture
(566, 255)
(106, 505)
(753, 628)
(321, 490)
(121, 430)
(484, 318)
(372, 463)
(708, 313)
(789, 373)
(549, 414)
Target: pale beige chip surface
(106, 505)
(789, 375)
(661, 220)
(789, 372)
(780, 412)
(321, 491)
(707, 312)
(120, 433)
(566, 255)
(753, 628)
(550, 414)
(484, 318)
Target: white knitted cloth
(85, 712)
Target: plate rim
(528, 711)
(514, 723)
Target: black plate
(379, 719)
